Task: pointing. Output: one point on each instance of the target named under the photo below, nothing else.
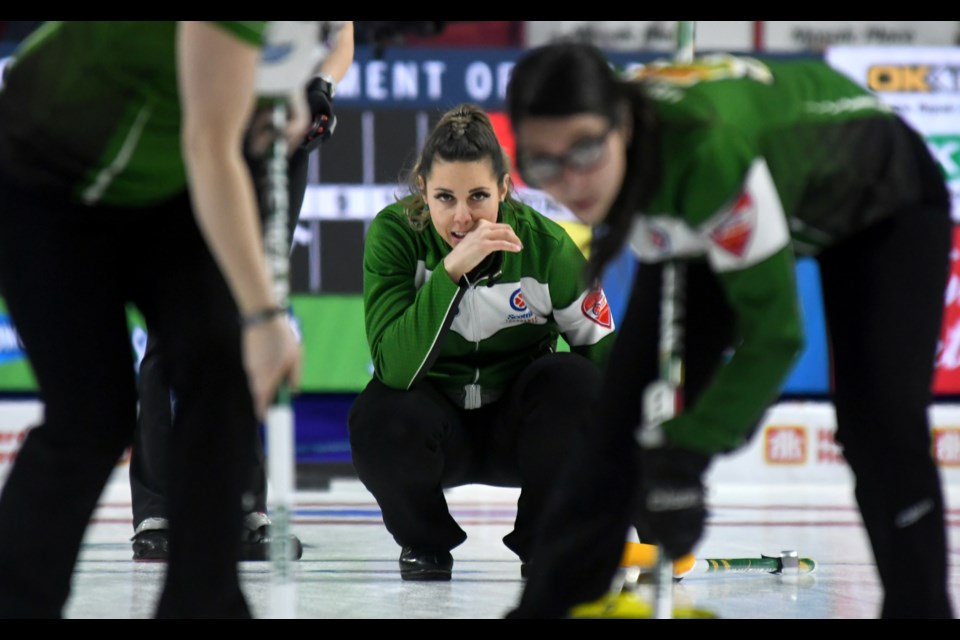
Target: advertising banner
(818, 35)
(795, 444)
(426, 78)
(745, 35)
(947, 376)
(642, 35)
(923, 85)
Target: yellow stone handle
(639, 554)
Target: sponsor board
(423, 77)
(795, 444)
(946, 445)
(743, 35)
(947, 374)
(634, 35)
(922, 84)
(817, 35)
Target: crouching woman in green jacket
(466, 291)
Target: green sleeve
(587, 334)
(583, 317)
(405, 325)
(250, 31)
(764, 297)
(714, 172)
(599, 352)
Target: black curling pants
(149, 455)
(68, 273)
(149, 477)
(580, 542)
(883, 295)
(408, 446)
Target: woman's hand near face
(486, 238)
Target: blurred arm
(216, 76)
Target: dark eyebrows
(444, 190)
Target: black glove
(672, 510)
(320, 99)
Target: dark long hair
(463, 134)
(571, 78)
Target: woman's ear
(422, 186)
(505, 187)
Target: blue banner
(426, 78)
(810, 377)
(435, 78)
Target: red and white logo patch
(660, 239)
(595, 308)
(785, 445)
(737, 226)
(946, 447)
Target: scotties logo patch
(737, 226)
(516, 301)
(518, 304)
(595, 308)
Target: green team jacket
(471, 341)
(92, 109)
(758, 162)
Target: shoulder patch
(596, 309)
(734, 231)
(751, 228)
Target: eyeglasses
(585, 155)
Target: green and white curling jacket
(472, 340)
(760, 161)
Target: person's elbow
(205, 142)
(789, 343)
(392, 376)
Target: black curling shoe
(151, 544)
(421, 564)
